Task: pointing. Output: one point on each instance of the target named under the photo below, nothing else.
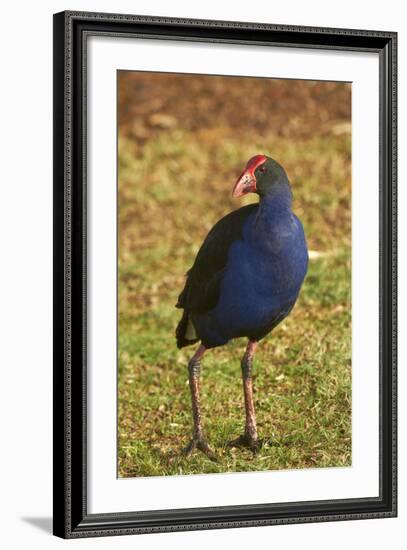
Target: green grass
(172, 188)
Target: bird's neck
(276, 203)
(274, 222)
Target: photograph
(234, 245)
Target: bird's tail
(185, 331)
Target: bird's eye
(262, 169)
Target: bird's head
(260, 176)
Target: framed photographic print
(224, 274)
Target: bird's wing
(201, 291)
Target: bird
(245, 279)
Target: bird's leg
(198, 441)
(247, 362)
(249, 438)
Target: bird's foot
(198, 442)
(247, 440)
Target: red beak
(245, 184)
(247, 181)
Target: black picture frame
(71, 518)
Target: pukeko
(244, 281)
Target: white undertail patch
(190, 333)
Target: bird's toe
(248, 441)
(199, 443)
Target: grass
(172, 187)
(183, 140)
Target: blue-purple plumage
(248, 273)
